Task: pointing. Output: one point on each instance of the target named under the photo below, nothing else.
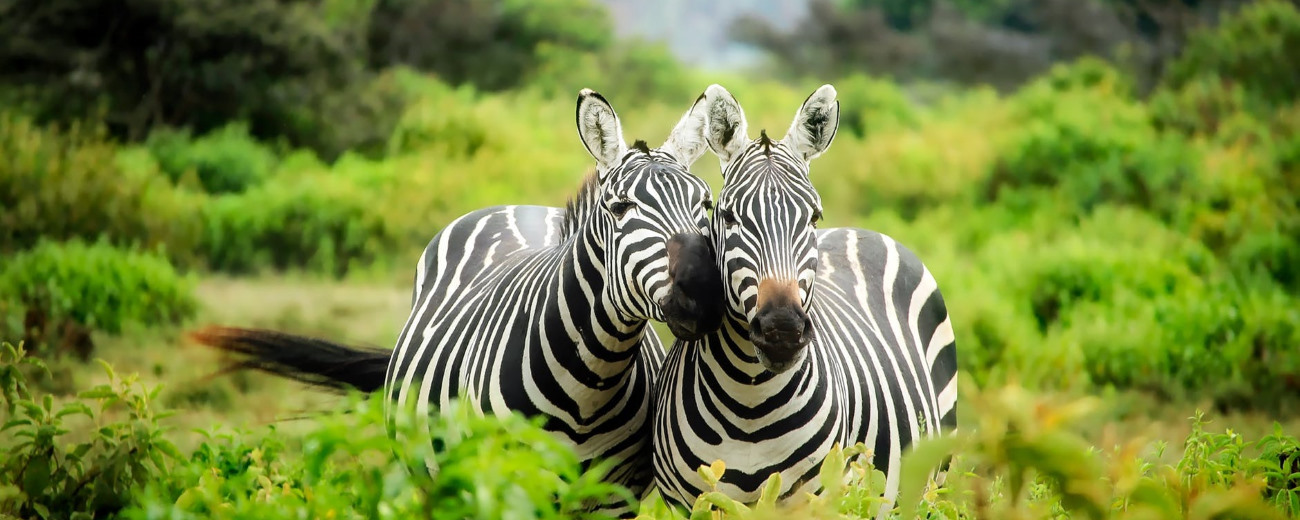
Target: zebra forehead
(657, 170)
(770, 187)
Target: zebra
(831, 336)
(543, 311)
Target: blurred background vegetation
(1107, 190)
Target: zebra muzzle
(695, 302)
(780, 329)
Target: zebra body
(543, 311)
(833, 336)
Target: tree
(142, 63)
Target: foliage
(349, 467)
(66, 183)
(97, 285)
(225, 160)
(72, 461)
(1254, 49)
(1025, 456)
(191, 63)
(324, 225)
(1079, 135)
(507, 36)
(1002, 43)
(107, 454)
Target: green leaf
(15, 422)
(917, 464)
(36, 478)
(771, 492)
(99, 392)
(832, 471)
(75, 407)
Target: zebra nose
(782, 326)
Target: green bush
(356, 116)
(225, 160)
(97, 285)
(1148, 308)
(1256, 48)
(1087, 146)
(1088, 72)
(1028, 459)
(327, 225)
(628, 70)
(60, 184)
(57, 465)
(442, 119)
(869, 105)
(350, 467)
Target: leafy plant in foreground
(47, 473)
(459, 465)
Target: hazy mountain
(697, 31)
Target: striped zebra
(830, 336)
(543, 311)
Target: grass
(373, 313)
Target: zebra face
(653, 218)
(765, 224)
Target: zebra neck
(730, 355)
(583, 315)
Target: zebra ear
(600, 130)
(815, 124)
(725, 126)
(687, 141)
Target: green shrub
(349, 467)
(1027, 457)
(51, 464)
(1088, 72)
(442, 119)
(868, 105)
(628, 70)
(225, 160)
(60, 184)
(1256, 48)
(1133, 303)
(1245, 204)
(1088, 146)
(355, 116)
(97, 285)
(328, 225)
(1202, 106)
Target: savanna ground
(1120, 253)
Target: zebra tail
(314, 361)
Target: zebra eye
(816, 217)
(620, 208)
(728, 217)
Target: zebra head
(652, 213)
(765, 223)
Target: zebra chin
(781, 337)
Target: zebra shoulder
(868, 253)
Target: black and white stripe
(543, 311)
(831, 336)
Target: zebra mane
(575, 210)
(765, 142)
(577, 207)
